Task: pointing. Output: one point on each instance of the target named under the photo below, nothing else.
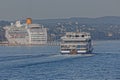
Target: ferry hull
(77, 52)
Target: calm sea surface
(46, 63)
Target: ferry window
(76, 35)
(82, 35)
(68, 35)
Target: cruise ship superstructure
(76, 43)
(25, 34)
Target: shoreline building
(26, 34)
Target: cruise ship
(76, 43)
(26, 33)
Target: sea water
(46, 63)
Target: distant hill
(82, 20)
(101, 28)
(4, 23)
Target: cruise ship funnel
(28, 21)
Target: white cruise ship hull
(25, 34)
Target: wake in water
(27, 60)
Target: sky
(52, 9)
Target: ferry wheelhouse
(76, 43)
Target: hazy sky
(47, 9)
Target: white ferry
(26, 33)
(76, 43)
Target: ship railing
(73, 44)
(77, 37)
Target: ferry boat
(76, 43)
(26, 33)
